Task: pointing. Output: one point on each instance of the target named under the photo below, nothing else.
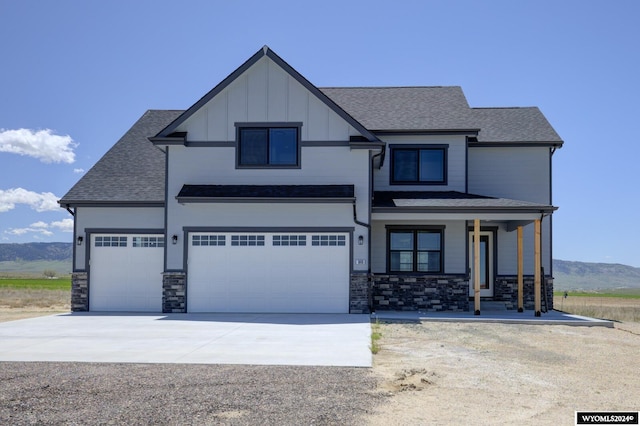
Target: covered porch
(458, 252)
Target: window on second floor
(268, 146)
(419, 164)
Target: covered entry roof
(453, 201)
(307, 193)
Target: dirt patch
(456, 373)
(12, 314)
(429, 373)
(27, 303)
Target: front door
(486, 264)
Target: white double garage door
(226, 272)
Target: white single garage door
(126, 273)
(268, 272)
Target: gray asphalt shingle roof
(266, 191)
(132, 171)
(450, 200)
(405, 108)
(513, 125)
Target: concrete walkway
(259, 339)
(495, 316)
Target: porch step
(490, 305)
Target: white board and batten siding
(125, 272)
(265, 93)
(282, 272)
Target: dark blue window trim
(410, 164)
(268, 145)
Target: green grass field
(36, 283)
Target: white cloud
(78, 170)
(40, 202)
(39, 224)
(64, 225)
(17, 231)
(40, 144)
(42, 228)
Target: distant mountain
(593, 276)
(29, 252)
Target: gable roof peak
(266, 51)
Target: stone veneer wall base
(79, 292)
(174, 292)
(506, 290)
(359, 293)
(427, 293)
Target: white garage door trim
(125, 272)
(278, 272)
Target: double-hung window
(419, 164)
(415, 250)
(268, 146)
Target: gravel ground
(90, 394)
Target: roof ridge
(511, 107)
(389, 87)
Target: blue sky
(75, 75)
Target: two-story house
(272, 195)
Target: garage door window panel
(148, 241)
(328, 240)
(289, 240)
(247, 240)
(208, 240)
(108, 241)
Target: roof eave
(388, 132)
(102, 203)
(453, 209)
(322, 200)
(494, 144)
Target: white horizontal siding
(319, 166)
(456, 163)
(508, 249)
(279, 215)
(454, 244)
(114, 218)
(519, 173)
(216, 166)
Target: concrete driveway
(259, 339)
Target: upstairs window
(268, 146)
(419, 165)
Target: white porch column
(537, 267)
(520, 272)
(476, 266)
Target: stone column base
(79, 292)
(174, 292)
(359, 294)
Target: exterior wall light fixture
(174, 239)
(360, 240)
(79, 240)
